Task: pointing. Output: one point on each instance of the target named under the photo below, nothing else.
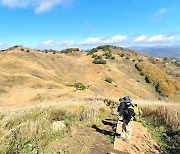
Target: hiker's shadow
(106, 132)
(105, 122)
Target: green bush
(99, 61)
(104, 48)
(109, 80)
(94, 55)
(112, 57)
(79, 86)
(99, 57)
(122, 55)
(140, 60)
(69, 50)
(92, 51)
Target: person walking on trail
(127, 113)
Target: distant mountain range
(160, 51)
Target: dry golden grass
(168, 111)
(30, 130)
(35, 71)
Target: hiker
(107, 102)
(138, 113)
(114, 105)
(127, 113)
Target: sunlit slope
(27, 77)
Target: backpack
(126, 108)
(138, 113)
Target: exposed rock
(58, 125)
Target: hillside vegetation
(37, 76)
(164, 84)
(162, 121)
(33, 130)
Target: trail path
(140, 143)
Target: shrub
(108, 54)
(112, 57)
(99, 61)
(109, 80)
(94, 55)
(92, 51)
(99, 57)
(122, 55)
(66, 51)
(105, 48)
(140, 60)
(69, 50)
(28, 50)
(79, 86)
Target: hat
(126, 99)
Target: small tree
(109, 80)
(79, 86)
(99, 61)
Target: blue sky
(87, 23)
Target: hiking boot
(126, 140)
(119, 136)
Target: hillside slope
(28, 77)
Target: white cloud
(68, 43)
(45, 5)
(160, 38)
(39, 5)
(115, 39)
(47, 43)
(118, 40)
(162, 11)
(140, 38)
(90, 41)
(3, 46)
(157, 17)
(15, 3)
(109, 40)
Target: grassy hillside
(34, 130)
(28, 76)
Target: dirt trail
(140, 143)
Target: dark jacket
(128, 113)
(120, 108)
